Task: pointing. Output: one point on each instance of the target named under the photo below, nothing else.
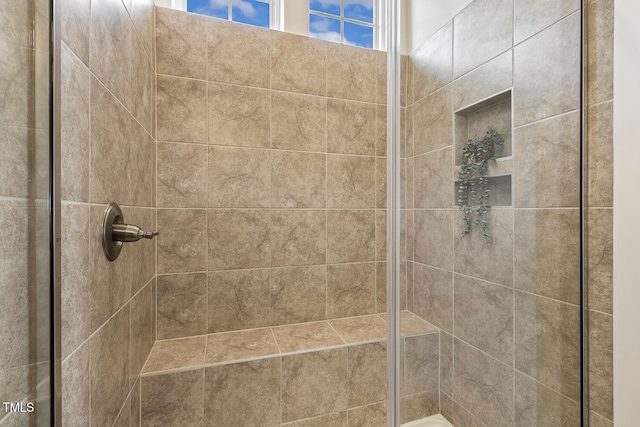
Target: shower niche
(474, 121)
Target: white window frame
(379, 35)
(275, 11)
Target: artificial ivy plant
(473, 184)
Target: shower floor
(432, 421)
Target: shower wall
(24, 215)
(508, 310)
(271, 177)
(108, 152)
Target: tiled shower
(260, 157)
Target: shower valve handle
(130, 233)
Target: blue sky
(252, 12)
(256, 12)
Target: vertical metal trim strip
(55, 214)
(393, 213)
(584, 274)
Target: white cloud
(320, 25)
(331, 36)
(218, 4)
(245, 7)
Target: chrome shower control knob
(115, 232)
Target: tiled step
(252, 344)
(318, 373)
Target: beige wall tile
(381, 130)
(492, 262)
(141, 331)
(484, 384)
(433, 62)
(600, 155)
(298, 180)
(75, 279)
(374, 415)
(110, 368)
(350, 182)
(110, 46)
(597, 420)
(600, 46)
(238, 300)
(143, 85)
(435, 116)
(433, 238)
(600, 259)
(75, 21)
(238, 115)
(110, 280)
(234, 346)
(351, 127)
(446, 363)
(331, 420)
(381, 287)
(483, 316)
(481, 31)
(433, 296)
(360, 328)
(306, 336)
(243, 394)
(539, 405)
(298, 294)
(110, 147)
(298, 64)
(493, 77)
(381, 77)
(350, 236)
(238, 54)
(124, 417)
(177, 353)
(74, 127)
(181, 43)
(182, 176)
(381, 235)
(19, 149)
(314, 384)
(433, 179)
(546, 163)
(143, 14)
(238, 177)
(546, 79)
(367, 374)
(142, 158)
(182, 242)
(172, 399)
(418, 406)
(421, 363)
(298, 237)
(601, 363)
(142, 266)
(531, 18)
(17, 105)
(547, 253)
(182, 109)
(350, 290)
(238, 238)
(547, 345)
(298, 122)
(351, 72)
(76, 387)
(182, 305)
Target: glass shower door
(492, 211)
(24, 214)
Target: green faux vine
(473, 184)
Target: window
(343, 21)
(252, 12)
